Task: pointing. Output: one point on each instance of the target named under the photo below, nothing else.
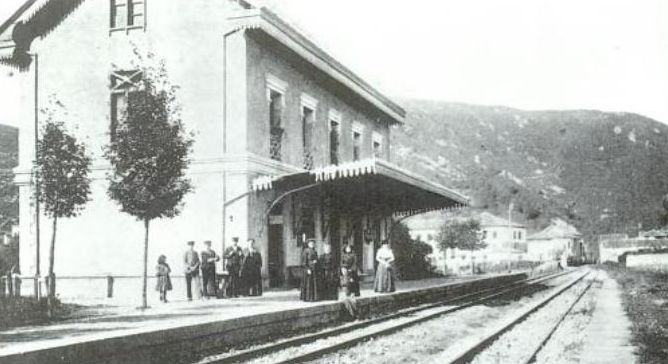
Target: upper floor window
(357, 140)
(275, 96)
(127, 14)
(357, 144)
(377, 141)
(123, 83)
(334, 136)
(519, 235)
(308, 107)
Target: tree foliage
(62, 167)
(9, 192)
(464, 235)
(149, 154)
(410, 255)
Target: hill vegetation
(601, 172)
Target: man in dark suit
(209, 259)
(234, 255)
(192, 263)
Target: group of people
(243, 268)
(322, 277)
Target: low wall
(173, 343)
(650, 261)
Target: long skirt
(164, 283)
(384, 281)
(351, 284)
(309, 288)
(328, 286)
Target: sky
(610, 55)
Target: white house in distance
(557, 241)
(505, 241)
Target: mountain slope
(602, 172)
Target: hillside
(602, 172)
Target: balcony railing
(308, 160)
(275, 143)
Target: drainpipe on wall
(37, 190)
(228, 33)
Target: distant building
(500, 234)
(653, 234)
(556, 242)
(505, 241)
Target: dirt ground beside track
(645, 299)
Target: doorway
(275, 259)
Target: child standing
(164, 282)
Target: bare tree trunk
(145, 273)
(52, 276)
(52, 252)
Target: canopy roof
(370, 183)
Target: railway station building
(289, 143)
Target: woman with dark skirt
(385, 272)
(329, 280)
(350, 280)
(251, 271)
(309, 262)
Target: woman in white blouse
(385, 272)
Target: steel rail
(554, 328)
(467, 354)
(248, 354)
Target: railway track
(379, 326)
(468, 353)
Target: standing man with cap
(191, 263)
(234, 255)
(209, 259)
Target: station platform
(125, 334)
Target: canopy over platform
(372, 184)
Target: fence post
(110, 286)
(17, 285)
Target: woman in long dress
(350, 279)
(309, 261)
(329, 281)
(384, 281)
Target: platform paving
(608, 336)
(101, 321)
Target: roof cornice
(271, 24)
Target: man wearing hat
(209, 259)
(191, 262)
(234, 255)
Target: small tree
(149, 155)
(464, 235)
(410, 255)
(62, 166)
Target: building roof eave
(274, 26)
